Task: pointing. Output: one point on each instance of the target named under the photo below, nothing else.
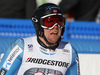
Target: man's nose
(56, 25)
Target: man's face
(52, 35)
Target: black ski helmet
(43, 10)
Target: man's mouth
(55, 33)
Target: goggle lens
(51, 20)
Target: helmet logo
(48, 8)
(34, 19)
(55, 11)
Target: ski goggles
(49, 22)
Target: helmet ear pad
(38, 28)
(63, 29)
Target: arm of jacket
(12, 59)
(5, 44)
(74, 68)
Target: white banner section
(89, 64)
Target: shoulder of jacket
(29, 38)
(63, 44)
